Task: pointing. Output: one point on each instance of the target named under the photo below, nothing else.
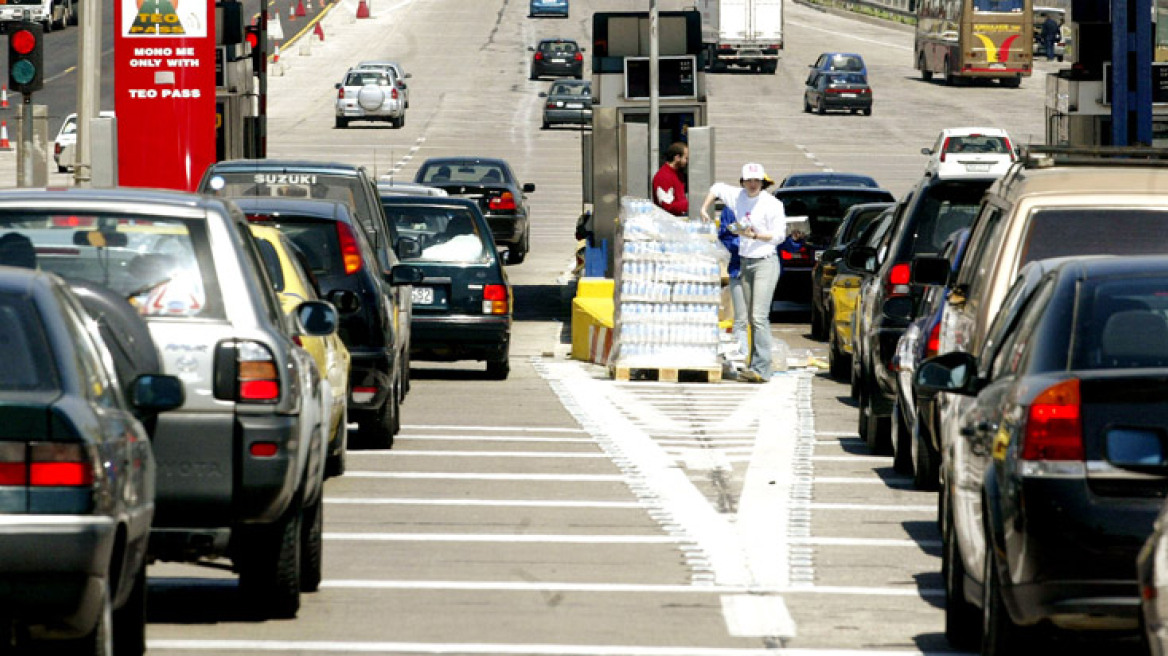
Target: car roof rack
(1039, 156)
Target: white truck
(742, 33)
(49, 13)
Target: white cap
(753, 171)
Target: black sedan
(849, 92)
(76, 469)
(492, 185)
(567, 102)
(557, 57)
(828, 179)
(820, 211)
(462, 309)
(1052, 498)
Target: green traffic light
(23, 72)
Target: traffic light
(253, 34)
(26, 57)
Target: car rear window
(825, 209)
(846, 78)
(446, 234)
(319, 243)
(1095, 231)
(1122, 324)
(558, 47)
(363, 78)
(570, 89)
(468, 173)
(29, 365)
(944, 209)
(845, 63)
(163, 267)
(862, 220)
(978, 144)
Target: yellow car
(845, 291)
(294, 286)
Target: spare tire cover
(370, 97)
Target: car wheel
(62, 169)
(902, 462)
(129, 621)
(269, 566)
(395, 426)
(312, 546)
(533, 75)
(876, 430)
(820, 108)
(342, 122)
(926, 74)
(840, 363)
(499, 369)
(99, 641)
(925, 460)
(867, 111)
(337, 462)
(47, 26)
(518, 254)
(999, 634)
(406, 374)
(1011, 82)
(816, 323)
(962, 622)
(546, 125)
(806, 105)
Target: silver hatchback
(370, 94)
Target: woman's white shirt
(764, 213)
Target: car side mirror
(154, 393)
(954, 372)
(543, 94)
(861, 257)
(931, 271)
(528, 187)
(530, 48)
(316, 318)
(926, 151)
(338, 85)
(829, 255)
(583, 49)
(408, 248)
(404, 274)
(409, 75)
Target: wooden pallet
(668, 374)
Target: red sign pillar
(164, 53)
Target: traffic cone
(277, 67)
(292, 14)
(362, 9)
(4, 97)
(318, 31)
(300, 9)
(4, 145)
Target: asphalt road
(559, 512)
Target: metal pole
(88, 83)
(654, 84)
(27, 177)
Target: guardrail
(900, 8)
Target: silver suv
(241, 462)
(370, 94)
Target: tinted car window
(469, 173)
(945, 209)
(571, 89)
(28, 362)
(1124, 323)
(319, 243)
(978, 144)
(1090, 231)
(271, 261)
(846, 78)
(825, 209)
(862, 220)
(163, 267)
(445, 234)
(296, 185)
(558, 47)
(362, 78)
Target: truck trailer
(746, 33)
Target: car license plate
(423, 295)
(558, 60)
(977, 168)
(575, 105)
(847, 95)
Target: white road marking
(496, 429)
(866, 542)
(757, 616)
(481, 537)
(493, 454)
(482, 438)
(575, 478)
(554, 586)
(856, 480)
(504, 503)
(866, 507)
(850, 458)
(350, 647)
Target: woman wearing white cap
(763, 227)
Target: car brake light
(72, 221)
(341, 93)
(258, 217)
(258, 379)
(579, 57)
(263, 449)
(1054, 426)
(495, 299)
(944, 148)
(13, 465)
(393, 93)
(933, 346)
(54, 464)
(57, 148)
(506, 201)
(898, 280)
(350, 253)
(538, 56)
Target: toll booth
(1079, 103)
(616, 153)
(238, 85)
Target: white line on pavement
(320, 647)
(481, 537)
(886, 44)
(850, 458)
(865, 542)
(575, 478)
(553, 586)
(885, 507)
(761, 616)
(854, 480)
(506, 503)
(495, 429)
(484, 438)
(493, 454)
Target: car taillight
(551, 105)
(538, 56)
(341, 93)
(934, 343)
(393, 93)
(802, 256)
(251, 216)
(944, 148)
(898, 280)
(45, 464)
(1054, 426)
(259, 381)
(495, 299)
(350, 252)
(57, 148)
(504, 202)
(579, 57)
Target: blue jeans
(741, 316)
(759, 278)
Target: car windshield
(828, 179)
(163, 267)
(446, 234)
(978, 144)
(29, 365)
(463, 172)
(1124, 324)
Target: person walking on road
(1050, 36)
(668, 189)
(761, 226)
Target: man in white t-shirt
(762, 226)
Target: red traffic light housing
(26, 57)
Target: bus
(975, 39)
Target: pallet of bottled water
(669, 291)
